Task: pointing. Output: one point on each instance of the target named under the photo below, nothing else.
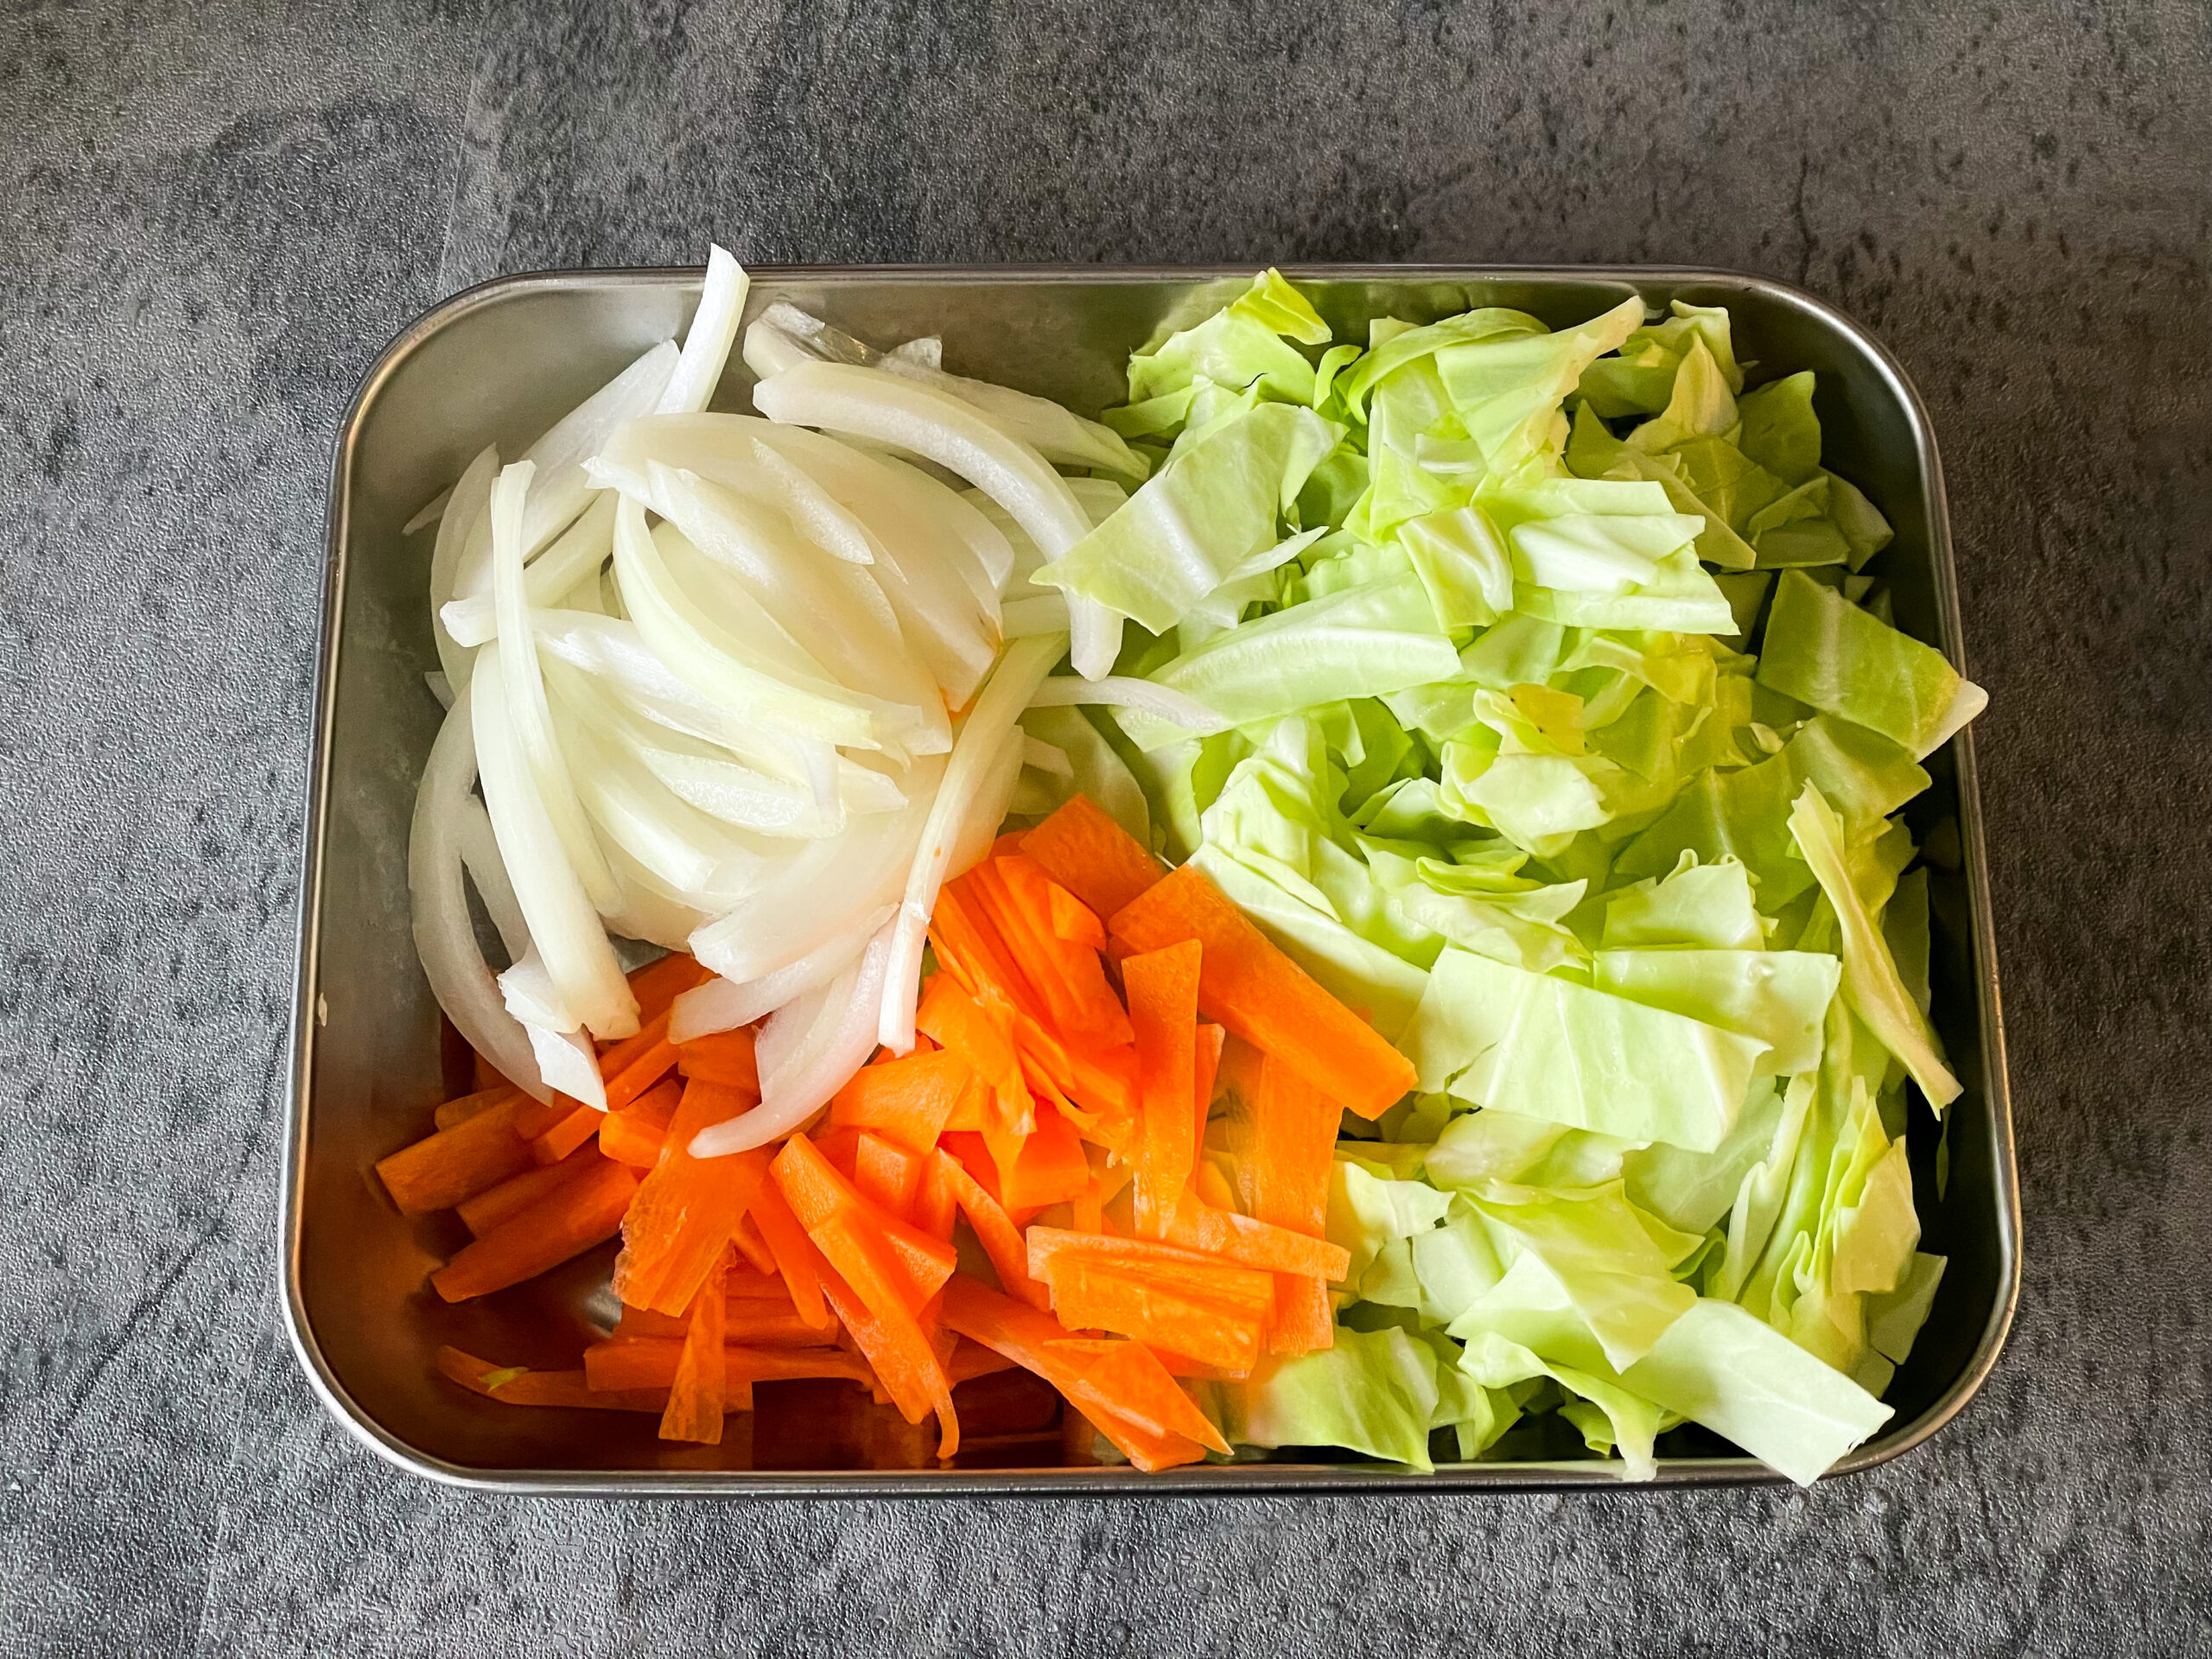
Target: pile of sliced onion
(747, 687)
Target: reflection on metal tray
(500, 363)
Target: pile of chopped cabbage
(1564, 731)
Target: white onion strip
(724, 1005)
(988, 730)
(445, 937)
(798, 1076)
(464, 508)
(707, 343)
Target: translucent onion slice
(564, 924)
(985, 735)
(824, 888)
(445, 937)
(464, 512)
(563, 488)
(724, 1005)
(713, 664)
(530, 716)
(480, 855)
(707, 343)
(566, 1058)
(553, 575)
(798, 1073)
(1059, 434)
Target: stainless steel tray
(500, 363)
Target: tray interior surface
(499, 365)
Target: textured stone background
(212, 216)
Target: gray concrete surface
(211, 218)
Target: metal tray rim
(1211, 1480)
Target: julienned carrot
(658, 984)
(517, 1192)
(908, 1100)
(887, 1174)
(725, 1057)
(1068, 979)
(1031, 1339)
(878, 1273)
(635, 1134)
(1252, 1244)
(645, 1069)
(969, 948)
(1092, 857)
(581, 1124)
(688, 1207)
(1129, 1378)
(935, 1203)
(899, 1352)
(1048, 1167)
(1162, 986)
(697, 1395)
(516, 1385)
(1292, 1147)
(962, 1026)
(441, 1170)
(988, 1220)
(1245, 1291)
(745, 1238)
(460, 1110)
(627, 1362)
(1206, 1052)
(972, 1360)
(1071, 919)
(1144, 1302)
(564, 1223)
(797, 1259)
(1261, 996)
(1100, 1081)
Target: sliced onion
(714, 664)
(464, 514)
(432, 511)
(826, 522)
(562, 489)
(799, 1073)
(724, 1005)
(566, 1058)
(984, 736)
(1117, 691)
(706, 345)
(1059, 434)
(574, 560)
(480, 856)
(445, 937)
(529, 716)
(1035, 751)
(564, 924)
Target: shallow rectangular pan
(500, 363)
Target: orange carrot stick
(1162, 986)
(688, 1207)
(1068, 979)
(994, 1230)
(515, 1385)
(745, 1239)
(1242, 1289)
(1128, 1379)
(635, 1134)
(565, 1136)
(1092, 857)
(517, 1192)
(564, 1223)
(626, 1362)
(957, 1020)
(908, 1100)
(1146, 1305)
(1206, 1056)
(887, 1175)
(1261, 996)
(696, 1398)
(1048, 1167)
(467, 1106)
(1031, 1339)
(1073, 919)
(797, 1259)
(898, 1350)
(725, 1057)
(1252, 1243)
(658, 984)
(441, 1170)
(1293, 1143)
